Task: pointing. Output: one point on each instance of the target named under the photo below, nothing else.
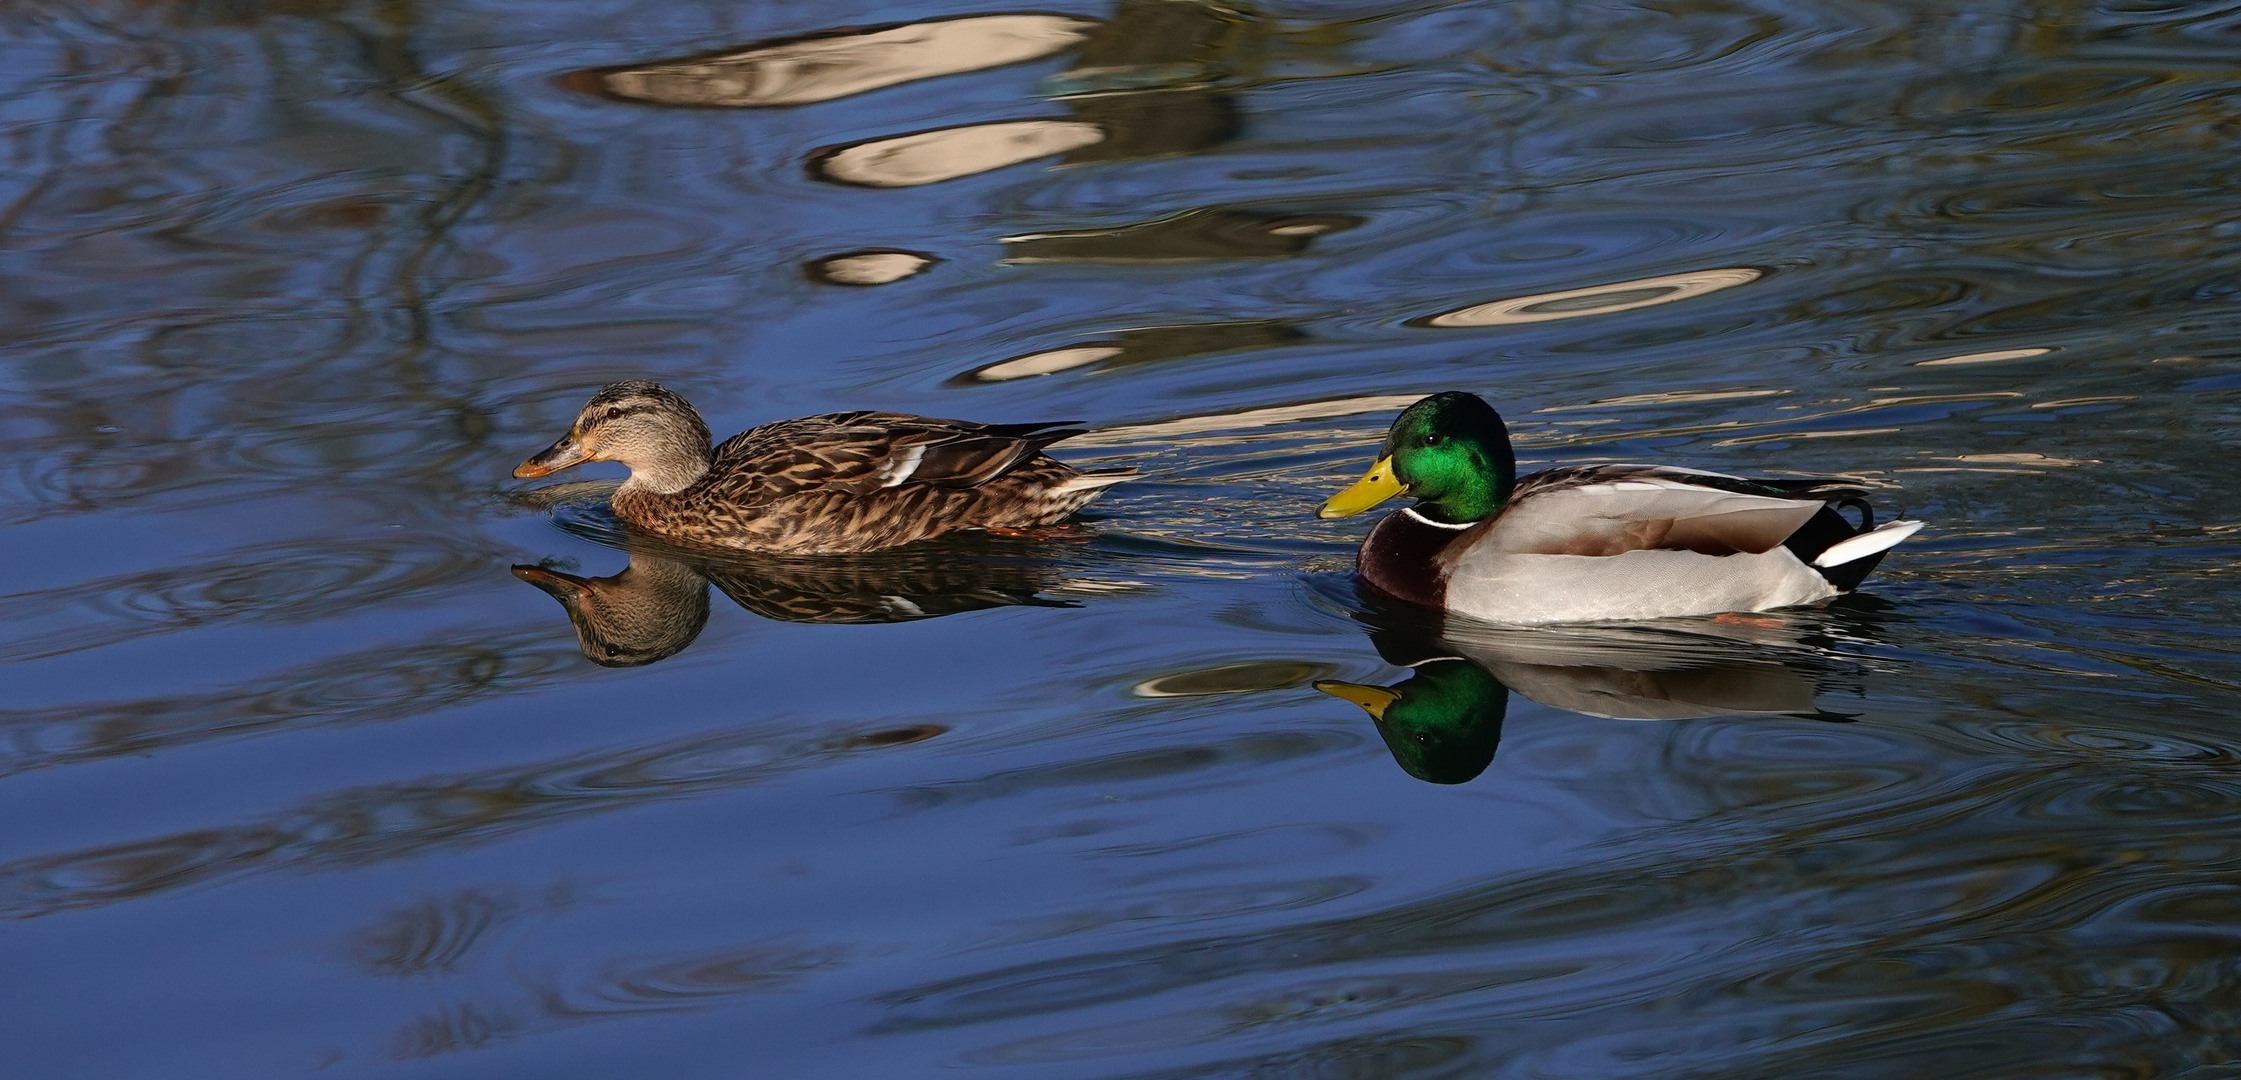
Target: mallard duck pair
(1574, 544)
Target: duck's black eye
(613, 411)
(1432, 440)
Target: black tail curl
(1829, 528)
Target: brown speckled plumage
(830, 484)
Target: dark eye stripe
(627, 410)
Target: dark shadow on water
(1444, 722)
(1210, 233)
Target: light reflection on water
(304, 777)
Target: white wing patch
(897, 469)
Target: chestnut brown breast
(1401, 559)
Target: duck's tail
(1090, 483)
(1848, 562)
(1874, 541)
(1082, 488)
(1842, 552)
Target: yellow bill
(1373, 699)
(1376, 487)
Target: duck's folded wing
(1611, 509)
(862, 452)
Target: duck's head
(640, 424)
(1441, 724)
(652, 609)
(1449, 452)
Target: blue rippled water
(306, 770)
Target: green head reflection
(1441, 723)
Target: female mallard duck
(1589, 543)
(830, 484)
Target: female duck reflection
(1443, 723)
(659, 603)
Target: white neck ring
(1411, 512)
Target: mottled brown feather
(863, 481)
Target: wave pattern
(287, 287)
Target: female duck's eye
(613, 411)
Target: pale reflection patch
(1047, 363)
(2105, 399)
(2025, 459)
(2017, 464)
(869, 267)
(1599, 299)
(1672, 397)
(1244, 678)
(1983, 357)
(1139, 345)
(1250, 418)
(933, 156)
(824, 68)
(1788, 436)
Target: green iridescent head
(1450, 452)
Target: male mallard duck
(840, 482)
(1588, 543)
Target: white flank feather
(1647, 583)
(896, 470)
(1092, 481)
(1880, 538)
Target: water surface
(307, 770)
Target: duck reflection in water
(658, 604)
(1443, 723)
